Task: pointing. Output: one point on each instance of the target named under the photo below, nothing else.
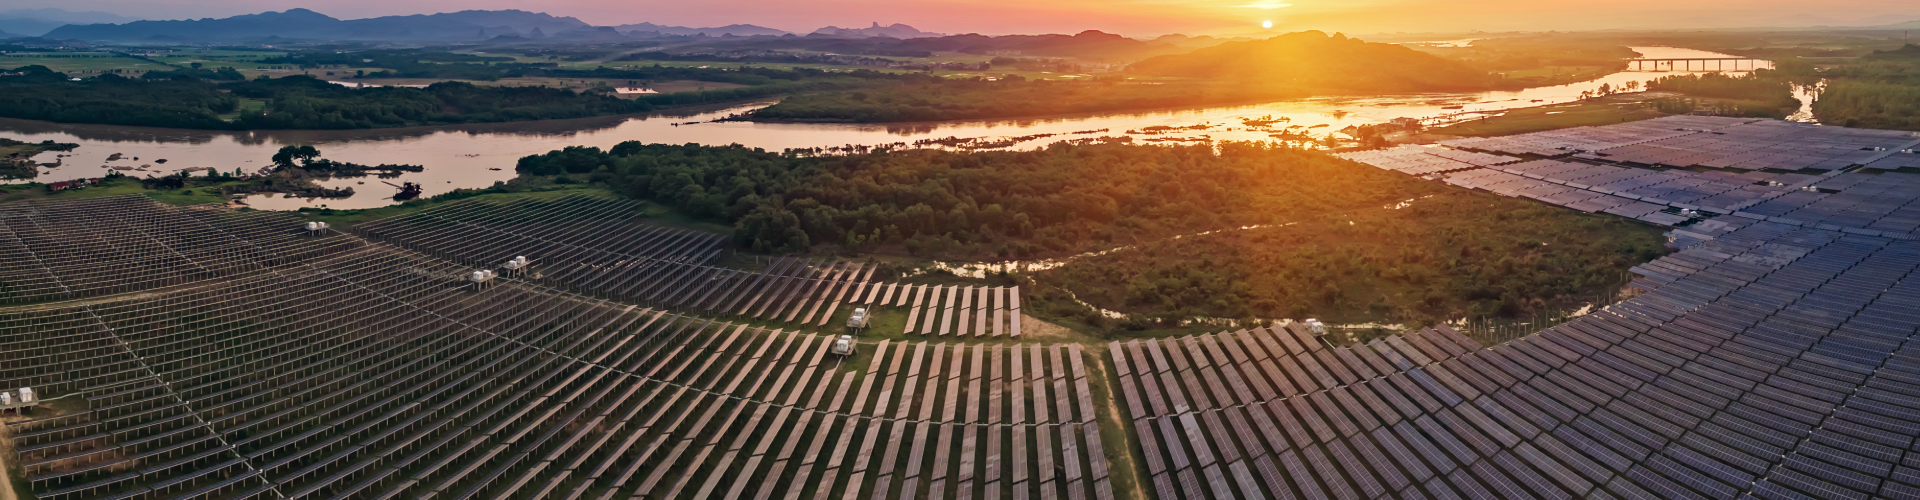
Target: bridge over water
(1704, 64)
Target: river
(472, 156)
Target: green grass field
(116, 187)
(246, 105)
(86, 65)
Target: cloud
(1266, 5)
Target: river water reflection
(479, 155)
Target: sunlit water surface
(475, 156)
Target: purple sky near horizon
(1130, 17)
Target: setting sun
(1266, 24)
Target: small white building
(859, 319)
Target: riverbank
(16, 157)
(1606, 110)
(989, 100)
(1617, 108)
(477, 156)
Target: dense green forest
(1880, 91)
(1760, 94)
(181, 102)
(1059, 200)
(1458, 254)
(301, 102)
(433, 64)
(976, 98)
(1870, 105)
(1317, 61)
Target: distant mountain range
(518, 26)
(896, 30)
(731, 29)
(35, 22)
(307, 24)
(303, 24)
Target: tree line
(1882, 90)
(1759, 94)
(1457, 255)
(1059, 200)
(178, 102)
(936, 99)
(197, 98)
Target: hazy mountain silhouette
(1090, 44)
(731, 29)
(307, 24)
(895, 30)
(36, 22)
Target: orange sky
(1131, 17)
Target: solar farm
(564, 347)
(1705, 176)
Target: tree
(287, 154)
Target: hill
(1316, 60)
(307, 24)
(731, 29)
(1908, 52)
(1086, 44)
(892, 31)
(36, 22)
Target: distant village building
(72, 184)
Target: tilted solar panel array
(600, 247)
(1765, 144)
(967, 310)
(86, 248)
(1422, 160)
(1714, 142)
(1581, 139)
(1899, 160)
(381, 373)
(1272, 413)
(1775, 362)
(1871, 200)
